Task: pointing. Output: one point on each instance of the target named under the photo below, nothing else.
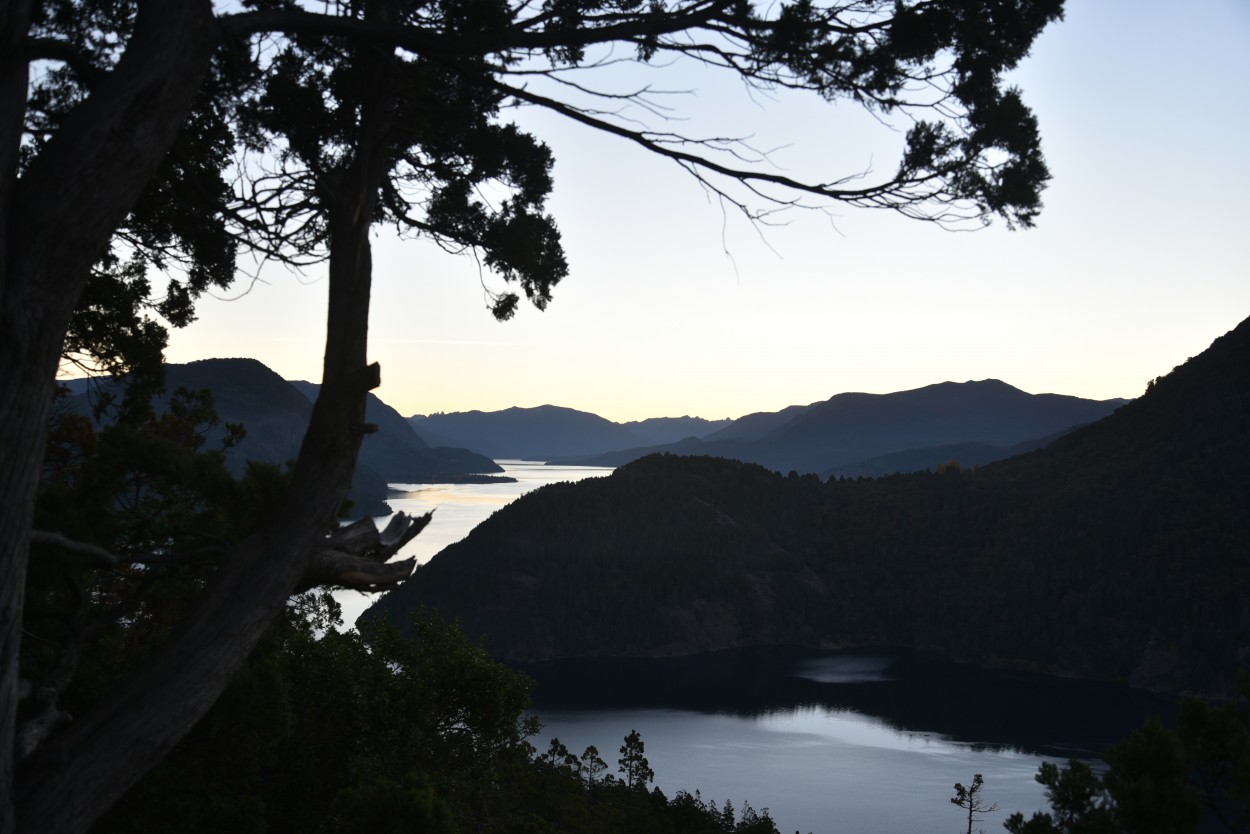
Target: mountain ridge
(1116, 552)
(548, 432)
(275, 412)
(852, 427)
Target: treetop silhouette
(143, 140)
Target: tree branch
(103, 558)
(52, 49)
(906, 194)
(356, 556)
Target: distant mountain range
(848, 434)
(549, 432)
(1117, 552)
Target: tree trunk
(55, 222)
(76, 776)
(18, 446)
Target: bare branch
(102, 557)
(356, 556)
(914, 194)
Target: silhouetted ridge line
(1116, 552)
(275, 413)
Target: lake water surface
(868, 742)
(837, 742)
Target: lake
(829, 742)
(837, 741)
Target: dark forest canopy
(1118, 552)
(146, 146)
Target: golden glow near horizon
(675, 305)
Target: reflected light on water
(816, 769)
(458, 508)
(846, 728)
(845, 669)
(868, 741)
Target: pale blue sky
(1140, 259)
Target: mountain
(656, 430)
(1117, 552)
(540, 433)
(844, 427)
(275, 413)
(988, 418)
(983, 421)
(931, 457)
(685, 446)
(757, 425)
(397, 453)
(552, 433)
(246, 391)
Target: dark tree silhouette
(633, 765)
(150, 138)
(971, 800)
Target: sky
(675, 306)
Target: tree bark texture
(55, 222)
(77, 775)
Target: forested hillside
(1117, 552)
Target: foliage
(178, 228)
(164, 507)
(146, 147)
(334, 731)
(971, 800)
(1158, 780)
(1217, 740)
(275, 118)
(611, 805)
(633, 764)
(323, 729)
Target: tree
(970, 799)
(1217, 739)
(1145, 790)
(633, 765)
(1158, 779)
(119, 126)
(592, 766)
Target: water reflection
(844, 668)
(906, 692)
(846, 741)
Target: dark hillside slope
(1119, 552)
(246, 391)
(275, 415)
(397, 453)
(756, 425)
(540, 433)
